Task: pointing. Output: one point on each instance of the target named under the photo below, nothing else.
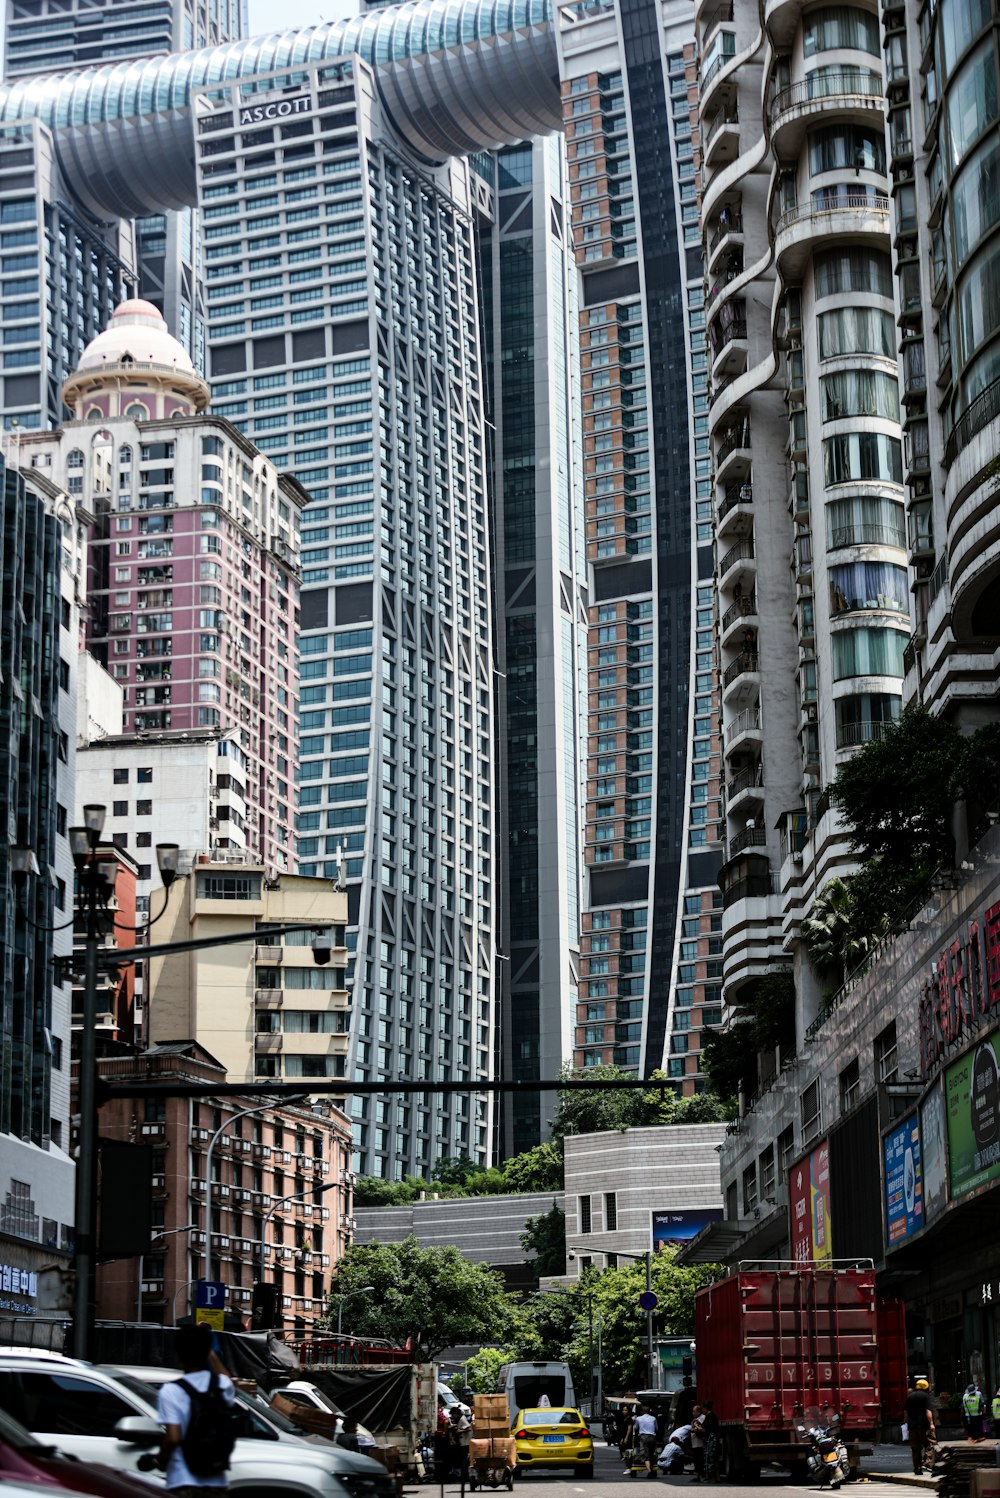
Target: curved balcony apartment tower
(805, 420)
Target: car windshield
(550, 1417)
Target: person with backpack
(196, 1411)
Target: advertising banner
(972, 1101)
(902, 1181)
(933, 1153)
(809, 1207)
(671, 1229)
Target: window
(750, 1190)
(766, 1175)
(886, 1067)
(610, 1211)
(119, 808)
(786, 1151)
(144, 808)
(65, 1404)
(120, 777)
(809, 1110)
(585, 1221)
(868, 652)
(144, 776)
(850, 1085)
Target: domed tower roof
(136, 346)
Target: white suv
(87, 1414)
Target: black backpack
(211, 1432)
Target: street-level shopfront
(941, 1168)
(34, 1281)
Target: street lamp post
(95, 886)
(281, 1202)
(365, 1290)
(588, 1295)
(168, 1233)
(646, 1258)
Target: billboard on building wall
(671, 1229)
(933, 1153)
(809, 1207)
(972, 1104)
(902, 1181)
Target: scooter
(827, 1458)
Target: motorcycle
(827, 1457)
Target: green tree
(485, 1366)
(764, 1020)
(456, 1170)
(617, 1294)
(702, 1107)
(537, 1169)
(545, 1237)
(598, 1112)
(424, 1298)
(833, 938)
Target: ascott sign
(809, 1207)
(277, 109)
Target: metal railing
(745, 780)
(748, 721)
(736, 437)
(730, 223)
(742, 552)
(977, 415)
(747, 837)
(743, 608)
(748, 661)
(872, 535)
(846, 85)
(751, 887)
(736, 494)
(736, 329)
(722, 118)
(849, 735)
(823, 203)
(720, 62)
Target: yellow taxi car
(554, 1438)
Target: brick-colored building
(291, 1151)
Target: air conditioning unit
(812, 712)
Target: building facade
(39, 612)
(808, 456)
(530, 316)
(191, 568)
(281, 1195)
(44, 36)
(264, 1008)
(635, 1190)
(650, 967)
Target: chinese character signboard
(961, 988)
(809, 1207)
(903, 1181)
(18, 1288)
(671, 1229)
(933, 1153)
(972, 1100)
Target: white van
(525, 1383)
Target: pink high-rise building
(192, 572)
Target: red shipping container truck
(780, 1348)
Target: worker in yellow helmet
(920, 1422)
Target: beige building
(264, 1007)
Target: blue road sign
(648, 1300)
(209, 1295)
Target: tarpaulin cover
(256, 1355)
(380, 1398)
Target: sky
(278, 15)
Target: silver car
(87, 1413)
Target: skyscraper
(46, 36)
(192, 573)
(40, 591)
(348, 218)
(634, 181)
(807, 443)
